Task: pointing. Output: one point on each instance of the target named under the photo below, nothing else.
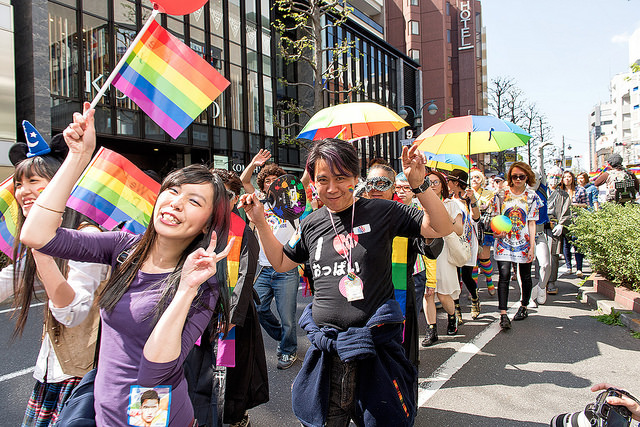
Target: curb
(588, 295)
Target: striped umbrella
(352, 120)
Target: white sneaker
(534, 295)
(542, 295)
(579, 274)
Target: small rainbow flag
(168, 80)
(112, 190)
(8, 217)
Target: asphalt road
(542, 367)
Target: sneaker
(521, 314)
(285, 361)
(452, 326)
(492, 291)
(579, 274)
(431, 336)
(534, 295)
(542, 296)
(459, 315)
(475, 308)
(552, 288)
(505, 323)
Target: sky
(562, 55)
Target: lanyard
(346, 256)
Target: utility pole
(562, 160)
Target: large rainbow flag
(112, 190)
(8, 217)
(168, 80)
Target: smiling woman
(164, 285)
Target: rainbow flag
(8, 217)
(168, 80)
(112, 190)
(227, 347)
(399, 251)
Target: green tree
(313, 69)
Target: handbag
(459, 249)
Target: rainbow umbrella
(471, 135)
(447, 162)
(352, 120)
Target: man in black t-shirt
(348, 245)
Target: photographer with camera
(630, 403)
(613, 407)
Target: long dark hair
(122, 277)
(24, 266)
(573, 185)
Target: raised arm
(273, 249)
(436, 221)
(44, 218)
(258, 160)
(165, 342)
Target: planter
(629, 299)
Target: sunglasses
(519, 177)
(379, 183)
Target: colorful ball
(501, 224)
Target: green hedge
(610, 239)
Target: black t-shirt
(376, 223)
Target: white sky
(562, 54)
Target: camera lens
(576, 419)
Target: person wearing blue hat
(71, 320)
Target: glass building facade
(86, 39)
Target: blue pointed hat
(36, 143)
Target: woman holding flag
(164, 286)
(71, 320)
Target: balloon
(179, 7)
(501, 224)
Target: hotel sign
(466, 36)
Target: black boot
(452, 326)
(431, 336)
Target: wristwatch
(473, 204)
(422, 187)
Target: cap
(499, 176)
(459, 175)
(36, 143)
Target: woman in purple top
(162, 291)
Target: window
(414, 27)
(448, 36)
(448, 8)
(414, 54)
(413, 2)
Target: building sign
(466, 36)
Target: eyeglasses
(519, 177)
(403, 188)
(379, 183)
(435, 182)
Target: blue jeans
(284, 288)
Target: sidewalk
(588, 295)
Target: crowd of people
(154, 312)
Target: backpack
(622, 187)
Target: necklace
(350, 285)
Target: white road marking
(427, 387)
(16, 374)
(13, 309)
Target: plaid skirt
(46, 402)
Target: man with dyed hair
(356, 368)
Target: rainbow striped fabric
(8, 217)
(168, 80)
(227, 347)
(399, 270)
(112, 190)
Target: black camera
(598, 414)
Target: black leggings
(505, 277)
(466, 273)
